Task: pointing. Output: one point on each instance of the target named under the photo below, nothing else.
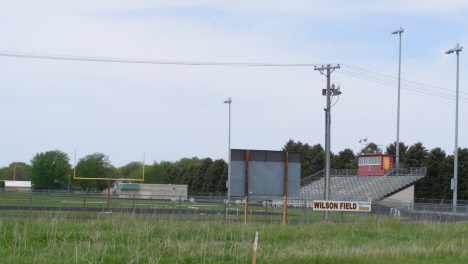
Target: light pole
(457, 50)
(397, 145)
(228, 185)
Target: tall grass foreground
(125, 241)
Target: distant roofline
(375, 154)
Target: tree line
(52, 169)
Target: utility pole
(397, 145)
(457, 50)
(327, 92)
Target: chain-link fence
(85, 206)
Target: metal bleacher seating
(347, 185)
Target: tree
(186, 162)
(446, 176)
(391, 150)
(180, 176)
(50, 169)
(19, 171)
(213, 175)
(187, 176)
(171, 174)
(194, 184)
(96, 165)
(156, 173)
(415, 156)
(370, 148)
(432, 186)
(221, 186)
(345, 160)
(133, 170)
(199, 177)
(462, 190)
(312, 158)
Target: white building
(152, 191)
(18, 186)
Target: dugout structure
(265, 173)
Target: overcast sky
(173, 111)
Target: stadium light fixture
(397, 145)
(457, 50)
(228, 185)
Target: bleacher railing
(333, 173)
(406, 171)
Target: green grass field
(59, 206)
(96, 241)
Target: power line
(140, 61)
(349, 70)
(392, 83)
(406, 88)
(391, 77)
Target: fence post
(180, 205)
(225, 207)
(377, 219)
(134, 203)
(84, 205)
(305, 210)
(187, 212)
(30, 203)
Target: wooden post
(246, 185)
(108, 193)
(255, 249)
(285, 201)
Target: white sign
(347, 206)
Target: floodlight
(456, 49)
(228, 101)
(398, 31)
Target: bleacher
(347, 185)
